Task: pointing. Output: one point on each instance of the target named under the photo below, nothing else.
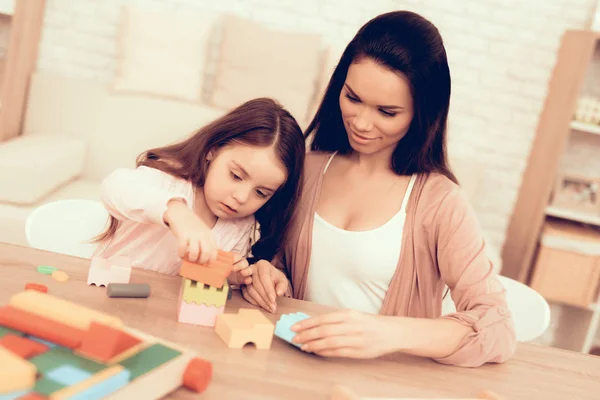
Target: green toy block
(46, 269)
(148, 359)
(47, 386)
(59, 356)
(6, 331)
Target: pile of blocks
(51, 348)
(204, 290)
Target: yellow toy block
(61, 310)
(16, 373)
(247, 326)
(199, 293)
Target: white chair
(529, 309)
(66, 226)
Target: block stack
(204, 290)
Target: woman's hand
(267, 284)
(195, 240)
(345, 333)
(242, 271)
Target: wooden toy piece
(33, 396)
(213, 274)
(46, 269)
(103, 343)
(60, 310)
(36, 286)
(286, 321)
(17, 373)
(248, 325)
(60, 276)
(137, 290)
(37, 325)
(96, 386)
(22, 346)
(198, 314)
(197, 375)
(200, 293)
(112, 270)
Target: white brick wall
(501, 55)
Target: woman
(382, 225)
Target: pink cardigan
(441, 244)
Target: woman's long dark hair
(404, 42)
(260, 122)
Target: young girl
(209, 192)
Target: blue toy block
(104, 388)
(14, 395)
(286, 321)
(68, 375)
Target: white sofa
(89, 130)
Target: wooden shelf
(573, 215)
(587, 128)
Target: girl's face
(377, 107)
(241, 178)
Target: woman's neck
(201, 208)
(371, 164)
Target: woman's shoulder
(439, 191)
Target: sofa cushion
(31, 167)
(162, 54)
(116, 127)
(258, 62)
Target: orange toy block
(213, 274)
(103, 343)
(23, 347)
(36, 286)
(44, 328)
(197, 375)
(247, 326)
(33, 396)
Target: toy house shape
(201, 314)
(213, 274)
(247, 326)
(112, 270)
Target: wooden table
(283, 372)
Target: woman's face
(377, 107)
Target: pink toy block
(112, 270)
(198, 314)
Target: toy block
(14, 395)
(36, 286)
(97, 386)
(46, 386)
(197, 375)
(17, 373)
(246, 326)
(59, 356)
(33, 396)
(68, 375)
(148, 359)
(200, 293)
(7, 331)
(44, 342)
(64, 311)
(198, 314)
(109, 270)
(213, 274)
(286, 321)
(138, 290)
(22, 347)
(103, 343)
(60, 276)
(158, 382)
(46, 269)
(42, 327)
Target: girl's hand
(242, 271)
(194, 238)
(267, 284)
(345, 333)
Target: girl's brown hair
(260, 122)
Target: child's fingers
(182, 248)
(246, 271)
(248, 280)
(193, 250)
(241, 265)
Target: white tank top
(353, 269)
